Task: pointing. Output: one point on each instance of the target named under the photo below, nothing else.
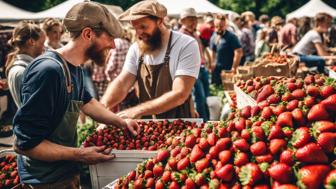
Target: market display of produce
(152, 136)
(287, 141)
(8, 172)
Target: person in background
(313, 43)
(54, 31)
(262, 45)
(226, 50)
(249, 17)
(273, 33)
(53, 93)
(305, 25)
(246, 40)
(288, 34)
(28, 43)
(188, 19)
(206, 29)
(263, 21)
(164, 63)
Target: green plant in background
(217, 91)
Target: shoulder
(182, 39)
(45, 67)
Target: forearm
(43, 152)
(236, 60)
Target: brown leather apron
(155, 80)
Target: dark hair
(98, 31)
(24, 31)
(221, 17)
(321, 18)
(264, 18)
(49, 23)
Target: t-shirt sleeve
(213, 43)
(34, 120)
(131, 61)
(86, 96)
(316, 37)
(189, 60)
(235, 42)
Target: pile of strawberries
(8, 172)
(152, 136)
(277, 58)
(287, 141)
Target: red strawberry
(309, 101)
(292, 105)
(246, 134)
(242, 145)
(183, 163)
(301, 137)
(255, 110)
(273, 99)
(268, 158)
(162, 155)
(266, 112)
(258, 132)
(263, 104)
(166, 177)
(311, 176)
(150, 183)
(240, 124)
(223, 144)
(327, 91)
(246, 112)
(287, 157)
(286, 186)
(277, 145)
(212, 139)
(190, 184)
(291, 86)
(240, 159)
(277, 110)
(285, 119)
(224, 156)
(311, 153)
(327, 141)
(298, 117)
(250, 174)
(159, 185)
(258, 148)
(196, 154)
(330, 180)
(323, 126)
(172, 163)
(281, 172)
(309, 79)
(225, 173)
(265, 92)
(203, 144)
(148, 174)
(158, 170)
(276, 132)
(174, 185)
(317, 113)
(139, 184)
(199, 179)
(214, 152)
(190, 141)
(313, 90)
(330, 103)
(298, 94)
(202, 164)
(287, 97)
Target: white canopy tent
(175, 7)
(311, 8)
(9, 12)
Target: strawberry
(245, 134)
(190, 184)
(317, 113)
(313, 90)
(139, 183)
(214, 152)
(323, 126)
(172, 162)
(258, 148)
(291, 86)
(225, 173)
(309, 79)
(287, 97)
(327, 91)
(286, 186)
(266, 91)
(327, 141)
(277, 110)
(263, 104)
(240, 124)
(202, 164)
(255, 110)
(281, 172)
(148, 174)
(199, 179)
(157, 170)
(309, 101)
(203, 144)
(162, 155)
(311, 176)
(241, 159)
(196, 154)
(190, 141)
(174, 185)
(273, 99)
(266, 113)
(258, 133)
(292, 105)
(223, 144)
(277, 145)
(166, 177)
(268, 158)
(212, 139)
(242, 145)
(298, 94)
(224, 156)
(276, 132)
(330, 103)
(250, 174)
(150, 182)
(330, 180)
(301, 137)
(246, 112)
(285, 119)
(287, 157)
(298, 117)
(311, 153)
(183, 164)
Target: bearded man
(53, 93)
(165, 64)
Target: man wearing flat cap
(164, 63)
(53, 94)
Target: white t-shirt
(184, 57)
(306, 46)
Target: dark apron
(60, 174)
(154, 81)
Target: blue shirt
(224, 48)
(44, 100)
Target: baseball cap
(93, 15)
(188, 12)
(143, 9)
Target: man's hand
(131, 113)
(132, 126)
(3, 84)
(95, 154)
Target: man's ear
(31, 42)
(87, 33)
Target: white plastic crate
(332, 73)
(125, 161)
(243, 99)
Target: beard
(153, 42)
(97, 56)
